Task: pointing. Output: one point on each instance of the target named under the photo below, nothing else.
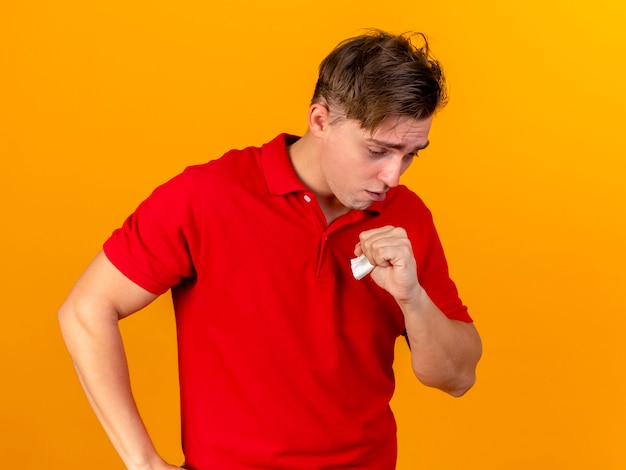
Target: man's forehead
(398, 145)
(396, 132)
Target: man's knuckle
(400, 231)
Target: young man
(285, 357)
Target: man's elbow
(455, 386)
(68, 319)
(78, 321)
(63, 313)
(64, 317)
(461, 387)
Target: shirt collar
(279, 173)
(280, 176)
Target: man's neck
(304, 158)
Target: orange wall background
(102, 101)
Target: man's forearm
(95, 344)
(444, 352)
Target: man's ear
(319, 118)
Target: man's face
(359, 166)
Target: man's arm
(444, 352)
(89, 323)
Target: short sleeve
(434, 276)
(152, 248)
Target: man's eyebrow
(389, 145)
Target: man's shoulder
(234, 165)
(229, 160)
(240, 160)
(404, 199)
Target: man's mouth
(377, 196)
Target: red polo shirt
(285, 359)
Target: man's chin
(360, 205)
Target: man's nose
(390, 173)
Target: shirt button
(307, 198)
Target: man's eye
(377, 153)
